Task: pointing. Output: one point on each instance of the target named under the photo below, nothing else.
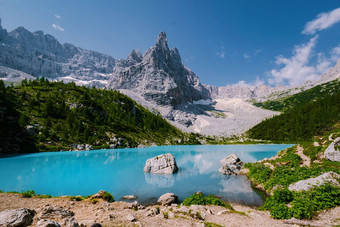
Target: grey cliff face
(41, 54)
(159, 76)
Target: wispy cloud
(57, 16)
(257, 82)
(221, 53)
(57, 27)
(246, 56)
(322, 21)
(296, 69)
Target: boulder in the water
(231, 165)
(161, 164)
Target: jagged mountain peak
(160, 77)
(135, 56)
(162, 40)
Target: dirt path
(305, 159)
(116, 213)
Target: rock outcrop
(161, 164)
(167, 199)
(159, 76)
(332, 153)
(40, 54)
(47, 223)
(19, 217)
(231, 165)
(305, 185)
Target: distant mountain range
(156, 79)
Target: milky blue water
(120, 172)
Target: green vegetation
(40, 115)
(77, 198)
(108, 197)
(301, 122)
(211, 224)
(303, 205)
(199, 199)
(304, 97)
(28, 194)
(166, 215)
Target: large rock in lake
(331, 153)
(19, 217)
(161, 164)
(305, 185)
(231, 165)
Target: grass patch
(199, 199)
(28, 194)
(77, 198)
(211, 224)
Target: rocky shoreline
(66, 212)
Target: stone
(332, 153)
(98, 195)
(133, 205)
(129, 197)
(305, 185)
(70, 222)
(87, 223)
(171, 214)
(53, 212)
(152, 212)
(167, 199)
(96, 225)
(18, 217)
(47, 223)
(231, 165)
(130, 218)
(161, 164)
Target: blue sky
(222, 41)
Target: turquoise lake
(120, 172)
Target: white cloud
(57, 27)
(322, 21)
(221, 54)
(57, 16)
(296, 69)
(246, 56)
(335, 53)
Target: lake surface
(120, 172)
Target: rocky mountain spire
(160, 77)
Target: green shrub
(199, 199)
(211, 224)
(166, 215)
(280, 211)
(43, 196)
(258, 172)
(28, 194)
(302, 208)
(77, 198)
(283, 196)
(108, 197)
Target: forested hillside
(40, 115)
(306, 114)
(283, 104)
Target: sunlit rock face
(159, 76)
(40, 54)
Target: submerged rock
(231, 165)
(331, 153)
(129, 197)
(167, 199)
(305, 185)
(161, 164)
(18, 217)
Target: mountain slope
(309, 116)
(40, 54)
(301, 98)
(55, 116)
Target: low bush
(199, 199)
(108, 197)
(258, 172)
(28, 194)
